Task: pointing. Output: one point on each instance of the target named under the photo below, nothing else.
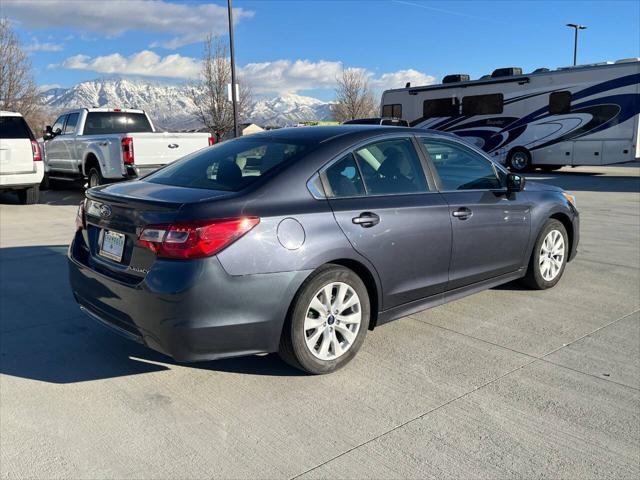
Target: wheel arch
(90, 160)
(568, 226)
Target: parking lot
(505, 383)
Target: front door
(381, 200)
(490, 227)
(55, 150)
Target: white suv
(21, 166)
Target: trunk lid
(162, 148)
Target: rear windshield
(230, 165)
(104, 123)
(14, 127)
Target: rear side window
(391, 167)
(460, 168)
(441, 107)
(70, 126)
(393, 110)
(14, 127)
(344, 178)
(483, 104)
(560, 103)
(105, 123)
(228, 166)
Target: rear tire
(519, 160)
(29, 196)
(319, 335)
(95, 177)
(549, 256)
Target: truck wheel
(95, 177)
(29, 196)
(519, 161)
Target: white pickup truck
(105, 145)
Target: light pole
(576, 27)
(234, 98)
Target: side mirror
(515, 183)
(47, 134)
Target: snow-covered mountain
(171, 107)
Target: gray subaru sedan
(298, 241)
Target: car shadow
(45, 337)
(59, 197)
(588, 181)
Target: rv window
(394, 110)
(482, 104)
(560, 103)
(441, 107)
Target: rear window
(104, 123)
(14, 127)
(229, 166)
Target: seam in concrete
(463, 395)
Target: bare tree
(354, 98)
(210, 96)
(18, 90)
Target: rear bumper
(189, 310)
(23, 179)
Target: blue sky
(300, 46)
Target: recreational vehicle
(582, 115)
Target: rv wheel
(519, 160)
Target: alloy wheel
(551, 255)
(332, 321)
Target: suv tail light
(194, 239)
(35, 148)
(212, 140)
(127, 151)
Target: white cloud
(278, 76)
(145, 63)
(36, 46)
(400, 78)
(188, 23)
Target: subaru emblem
(105, 211)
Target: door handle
(366, 219)
(103, 144)
(462, 213)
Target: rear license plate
(112, 245)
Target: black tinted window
(441, 107)
(460, 168)
(72, 121)
(230, 165)
(393, 110)
(104, 123)
(391, 167)
(14, 127)
(560, 103)
(482, 104)
(344, 178)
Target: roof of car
(325, 133)
(4, 113)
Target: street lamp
(234, 98)
(575, 41)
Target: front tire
(549, 256)
(519, 160)
(327, 322)
(29, 196)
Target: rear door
(383, 203)
(16, 154)
(490, 227)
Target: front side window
(483, 104)
(344, 178)
(460, 168)
(72, 121)
(105, 123)
(228, 166)
(441, 107)
(391, 167)
(59, 125)
(559, 103)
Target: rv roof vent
(484, 77)
(506, 72)
(628, 60)
(541, 70)
(457, 77)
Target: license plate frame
(112, 245)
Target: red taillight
(80, 217)
(35, 148)
(194, 239)
(127, 150)
(212, 140)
